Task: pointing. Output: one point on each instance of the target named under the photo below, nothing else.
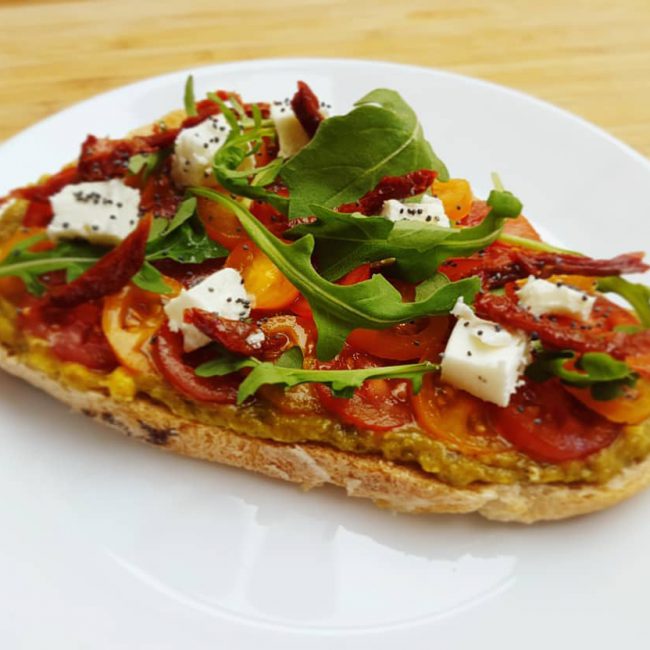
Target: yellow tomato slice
(456, 196)
(262, 279)
(129, 320)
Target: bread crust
(390, 485)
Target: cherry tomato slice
(129, 319)
(521, 227)
(379, 405)
(546, 423)
(406, 342)
(220, 223)
(262, 279)
(456, 196)
(178, 370)
(456, 418)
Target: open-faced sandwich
(313, 298)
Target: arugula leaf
(417, 248)
(605, 376)
(351, 153)
(151, 279)
(288, 372)
(188, 97)
(145, 161)
(177, 240)
(226, 165)
(638, 295)
(338, 309)
(29, 265)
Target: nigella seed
(497, 328)
(95, 227)
(113, 217)
(428, 219)
(466, 323)
(401, 210)
(132, 222)
(520, 409)
(584, 298)
(420, 211)
(469, 353)
(228, 299)
(65, 225)
(211, 290)
(534, 336)
(118, 205)
(479, 333)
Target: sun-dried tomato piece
(499, 264)
(561, 332)
(232, 334)
(391, 187)
(159, 194)
(109, 275)
(306, 106)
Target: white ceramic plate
(107, 543)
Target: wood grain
(589, 56)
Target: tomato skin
(262, 279)
(379, 405)
(73, 334)
(546, 423)
(178, 370)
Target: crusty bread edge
(390, 485)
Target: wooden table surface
(589, 56)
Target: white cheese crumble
(194, 150)
(483, 358)
(544, 297)
(102, 212)
(428, 210)
(291, 136)
(255, 339)
(221, 293)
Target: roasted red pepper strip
(38, 214)
(499, 264)
(109, 275)
(43, 191)
(391, 187)
(232, 334)
(306, 106)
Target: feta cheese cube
(428, 210)
(291, 136)
(102, 212)
(221, 293)
(544, 297)
(194, 150)
(483, 358)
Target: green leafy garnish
(188, 97)
(146, 163)
(29, 265)
(288, 372)
(417, 248)
(605, 376)
(151, 279)
(351, 153)
(174, 239)
(638, 295)
(338, 309)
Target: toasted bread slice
(390, 485)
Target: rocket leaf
(288, 371)
(351, 153)
(338, 309)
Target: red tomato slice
(379, 405)
(406, 342)
(549, 425)
(178, 370)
